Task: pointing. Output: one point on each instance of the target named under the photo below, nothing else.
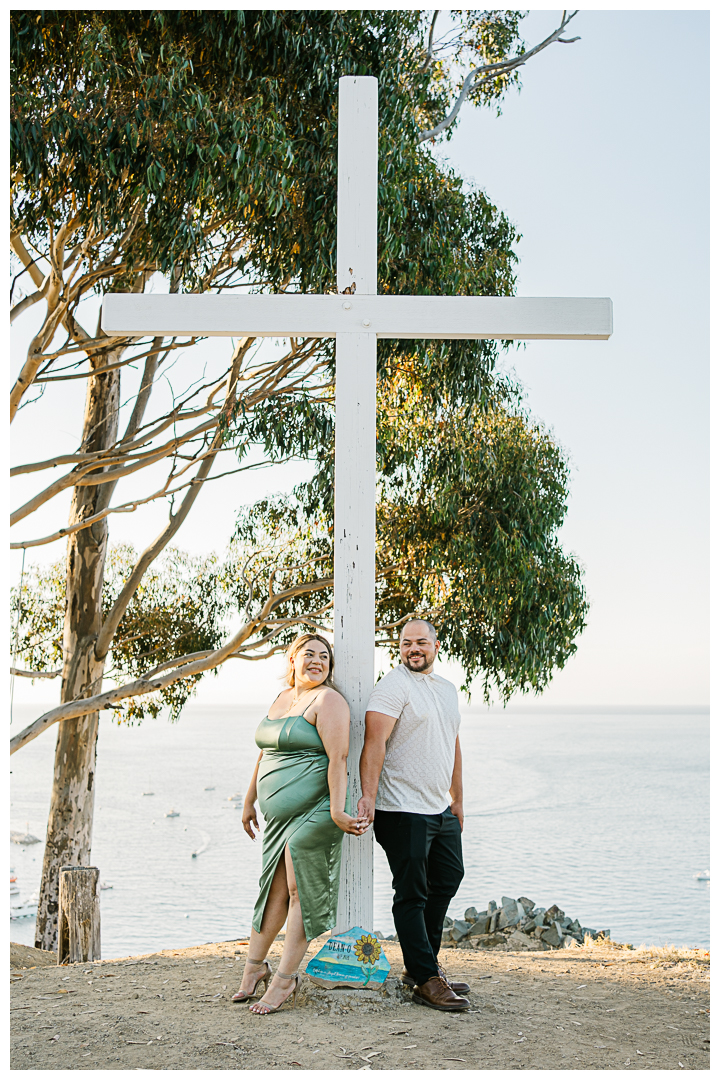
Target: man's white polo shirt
(420, 753)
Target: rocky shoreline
(516, 924)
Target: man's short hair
(427, 623)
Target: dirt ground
(596, 1007)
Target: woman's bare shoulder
(332, 703)
(330, 694)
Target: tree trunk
(69, 831)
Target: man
(410, 762)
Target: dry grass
(656, 955)
(673, 954)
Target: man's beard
(418, 667)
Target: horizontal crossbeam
(263, 315)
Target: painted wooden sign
(354, 959)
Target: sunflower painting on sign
(354, 959)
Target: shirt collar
(418, 674)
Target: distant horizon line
(669, 710)
(464, 707)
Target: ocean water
(605, 815)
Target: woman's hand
(249, 818)
(354, 826)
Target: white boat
(26, 909)
(702, 875)
(173, 813)
(24, 838)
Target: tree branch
(119, 448)
(28, 301)
(109, 367)
(129, 507)
(107, 631)
(87, 477)
(429, 51)
(491, 71)
(36, 674)
(148, 685)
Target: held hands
(366, 808)
(354, 826)
(249, 818)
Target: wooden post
(355, 593)
(79, 914)
(355, 464)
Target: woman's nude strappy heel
(274, 1008)
(264, 977)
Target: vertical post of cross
(355, 378)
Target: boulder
(482, 926)
(518, 922)
(510, 913)
(488, 941)
(553, 935)
(518, 940)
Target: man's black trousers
(425, 856)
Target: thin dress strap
(309, 704)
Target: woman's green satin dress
(294, 798)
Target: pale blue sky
(602, 163)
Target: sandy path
(589, 1008)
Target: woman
(300, 781)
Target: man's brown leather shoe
(437, 994)
(458, 987)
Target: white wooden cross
(356, 317)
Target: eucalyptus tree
(195, 151)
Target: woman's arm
(249, 816)
(333, 727)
